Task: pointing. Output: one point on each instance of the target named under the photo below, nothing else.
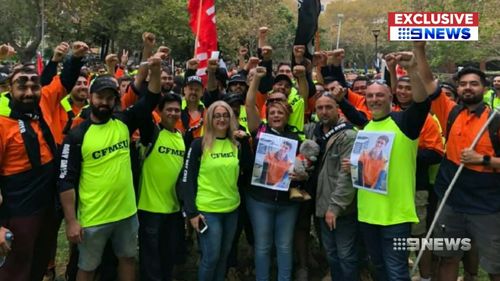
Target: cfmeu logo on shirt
(433, 26)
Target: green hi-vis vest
(243, 120)
(398, 205)
(160, 171)
(184, 104)
(218, 177)
(297, 103)
(491, 98)
(4, 105)
(106, 191)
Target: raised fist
(267, 53)
(335, 57)
(260, 71)
(154, 63)
(263, 30)
(148, 39)
(212, 65)
(80, 49)
(6, 51)
(319, 59)
(193, 64)
(165, 50)
(299, 71)
(298, 52)
(390, 59)
(111, 59)
(60, 52)
(406, 60)
(252, 63)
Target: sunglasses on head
(24, 79)
(269, 101)
(380, 82)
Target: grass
(189, 273)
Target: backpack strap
(452, 116)
(151, 145)
(493, 129)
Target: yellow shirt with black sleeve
(160, 171)
(209, 180)
(95, 161)
(398, 205)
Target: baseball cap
(194, 79)
(102, 83)
(231, 98)
(281, 77)
(237, 78)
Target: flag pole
(198, 27)
(450, 187)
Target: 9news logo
(433, 26)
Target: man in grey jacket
(335, 196)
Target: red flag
(39, 63)
(202, 23)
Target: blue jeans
(341, 246)
(159, 237)
(390, 264)
(215, 244)
(272, 224)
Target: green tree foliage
(21, 26)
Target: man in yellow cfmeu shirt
(96, 176)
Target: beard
(102, 113)
(471, 100)
(26, 105)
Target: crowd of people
(136, 160)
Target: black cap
(102, 83)
(281, 77)
(237, 78)
(194, 80)
(329, 79)
(232, 98)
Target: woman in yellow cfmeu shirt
(210, 191)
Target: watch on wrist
(486, 160)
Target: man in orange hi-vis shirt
(29, 131)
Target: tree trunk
(482, 65)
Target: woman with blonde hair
(209, 187)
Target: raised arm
(50, 69)
(423, 67)
(299, 71)
(266, 84)
(148, 40)
(253, 116)
(262, 36)
(391, 66)
(333, 66)
(136, 115)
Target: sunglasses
(24, 79)
(269, 101)
(380, 82)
